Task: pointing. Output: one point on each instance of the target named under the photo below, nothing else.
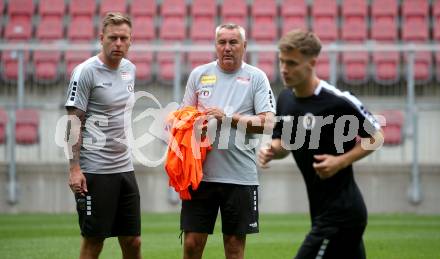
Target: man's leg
(234, 246)
(193, 246)
(130, 246)
(91, 247)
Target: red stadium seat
(393, 130)
(355, 67)
(172, 29)
(143, 8)
(143, 61)
(327, 9)
(264, 8)
(436, 31)
(73, 58)
(267, 63)
(415, 30)
(143, 28)
(22, 8)
(436, 10)
(166, 66)
(26, 126)
(202, 29)
(354, 9)
(173, 8)
(82, 8)
(51, 8)
(415, 9)
(354, 30)
(3, 125)
(50, 28)
(204, 8)
(386, 67)
(294, 15)
(291, 23)
(292, 8)
(235, 11)
(81, 29)
(422, 67)
(196, 59)
(19, 28)
(436, 20)
(112, 6)
(2, 6)
(326, 30)
(323, 66)
(384, 30)
(384, 9)
(10, 65)
(264, 29)
(46, 65)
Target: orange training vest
(184, 164)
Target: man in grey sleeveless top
(237, 98)
(101, 171)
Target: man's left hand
(327, 165)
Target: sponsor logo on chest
(126, 76)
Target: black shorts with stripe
(238, 206)
(111, 207)
(333, 242)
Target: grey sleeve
(190, 97)
(264, 100)
(79, 88)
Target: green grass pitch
(57, 236)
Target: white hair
(231, 26)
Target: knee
(193, 245)
(92, 246)
(132, 243)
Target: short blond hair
(115, 18)
(306, 42)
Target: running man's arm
(328, 165)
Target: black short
(331, 242)
(238, 207)
(111, 207)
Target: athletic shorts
(238, 206)
(333, 243)
(111, 207)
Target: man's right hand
(265, 155)
(77, 181)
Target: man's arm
(274, 151)
(261, 123)
(328, 165)
(77, 180)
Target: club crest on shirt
(204, 92)
(125, 75)
(130, 87)
(309, 121)
(208, 80)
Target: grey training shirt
(247, 92)
(103, 93)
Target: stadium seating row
(165, 22)
(350, 21)
(355, 68)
